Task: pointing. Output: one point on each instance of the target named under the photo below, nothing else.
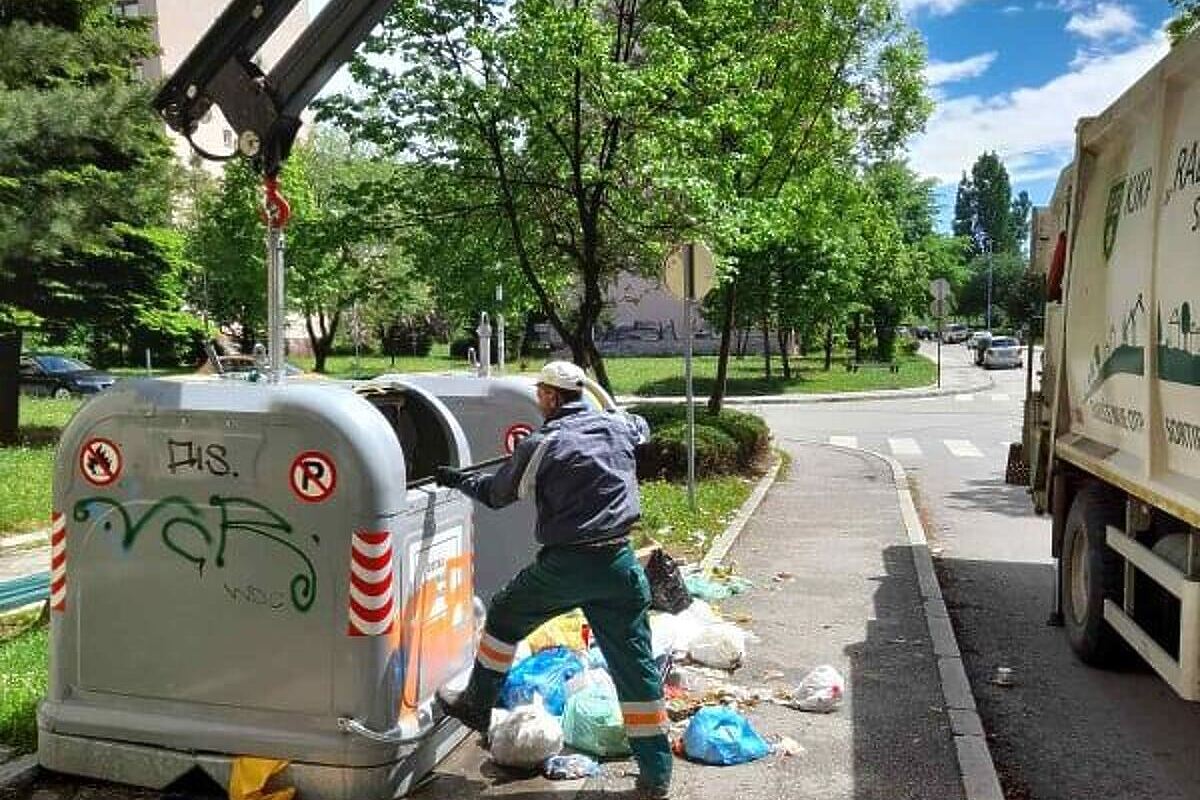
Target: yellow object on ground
(565, 630)
(250, 776)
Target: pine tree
(964, 207)
(84, 173)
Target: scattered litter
(526, 736)
(570, 767)
(722, 645)
(820, 690)
(668, 592)
(780, 577)
(249, 777)
(591, 678)
(720, 736)
(715, 585)
(773, 675)
(1003, 677)
(787, 746)
(565, 630)
(544, 674)
(593, 723)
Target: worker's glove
(449, 476)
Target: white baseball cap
(562, 375)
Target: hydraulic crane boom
(263, 109)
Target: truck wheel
(1091, 573)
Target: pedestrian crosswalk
(907, 447)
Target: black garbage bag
(668, 592)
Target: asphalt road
(1063, 730)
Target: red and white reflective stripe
(372, 584)
(645, 718)
(58, 562)
(495, 654)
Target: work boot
(646, 791)
(458, 706)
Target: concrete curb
(25, 541)
(19, 773)
(721, 545)
(980, 781)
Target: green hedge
(732, 442)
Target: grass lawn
(663, 376)
(27, 468)
(23, 668)
(369, 366)
(667, 519)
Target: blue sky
(1014, 75)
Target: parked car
(240, 367)
(954, 332)
(923, 332)
(52, 375)
(975, 336)
(1004, 351)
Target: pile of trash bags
(559, 692)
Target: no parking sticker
(100, 461)
(313, 476)
(514, 435)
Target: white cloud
(1031, 128)
(939, 72)
(1011, 10)
(935, 7)
(1105, 21)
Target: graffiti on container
(255, 596)
(212, 458)
(185, 531)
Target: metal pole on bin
(689, 295)
(485, 345)
(277, 213)
(500, 328)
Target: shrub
(909, 346)
(726, 443)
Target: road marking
(962, 448)
(904, 447)
(844, 441)
(964, 398)
(1000, 397)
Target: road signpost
(939, 288)
(689, 275)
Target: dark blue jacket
(579, 467)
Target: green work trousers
(608, 584)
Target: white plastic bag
(526, 737)
(722, 645)
(821, 690)
(676, 632)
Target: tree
(984, 207)
(1020, 218)
(85, 171)
(1185, 21)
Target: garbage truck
(1112, 434)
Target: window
(228, 137)
(127, 8)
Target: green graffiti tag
(179, 516)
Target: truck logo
(1112, 216)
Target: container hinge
(409, 730)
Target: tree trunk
(784, 336)
(743, 342)
(858, 337)
(828, 347)
(766, 339)
(10, 360)
(717, 398)
(322, 338)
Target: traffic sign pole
(689, 292)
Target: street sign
(937, 308)
(940, 289)
(704, 275)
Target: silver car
(1004, 351)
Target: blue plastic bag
(720, 736)
(546, 674)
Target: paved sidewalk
(834, 523)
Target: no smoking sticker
(100, 461)
(514, 435)
(313, 476)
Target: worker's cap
(562, 375)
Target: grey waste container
(241, 568)
(494, 413)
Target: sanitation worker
(579, 468)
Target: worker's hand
(449, 476)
